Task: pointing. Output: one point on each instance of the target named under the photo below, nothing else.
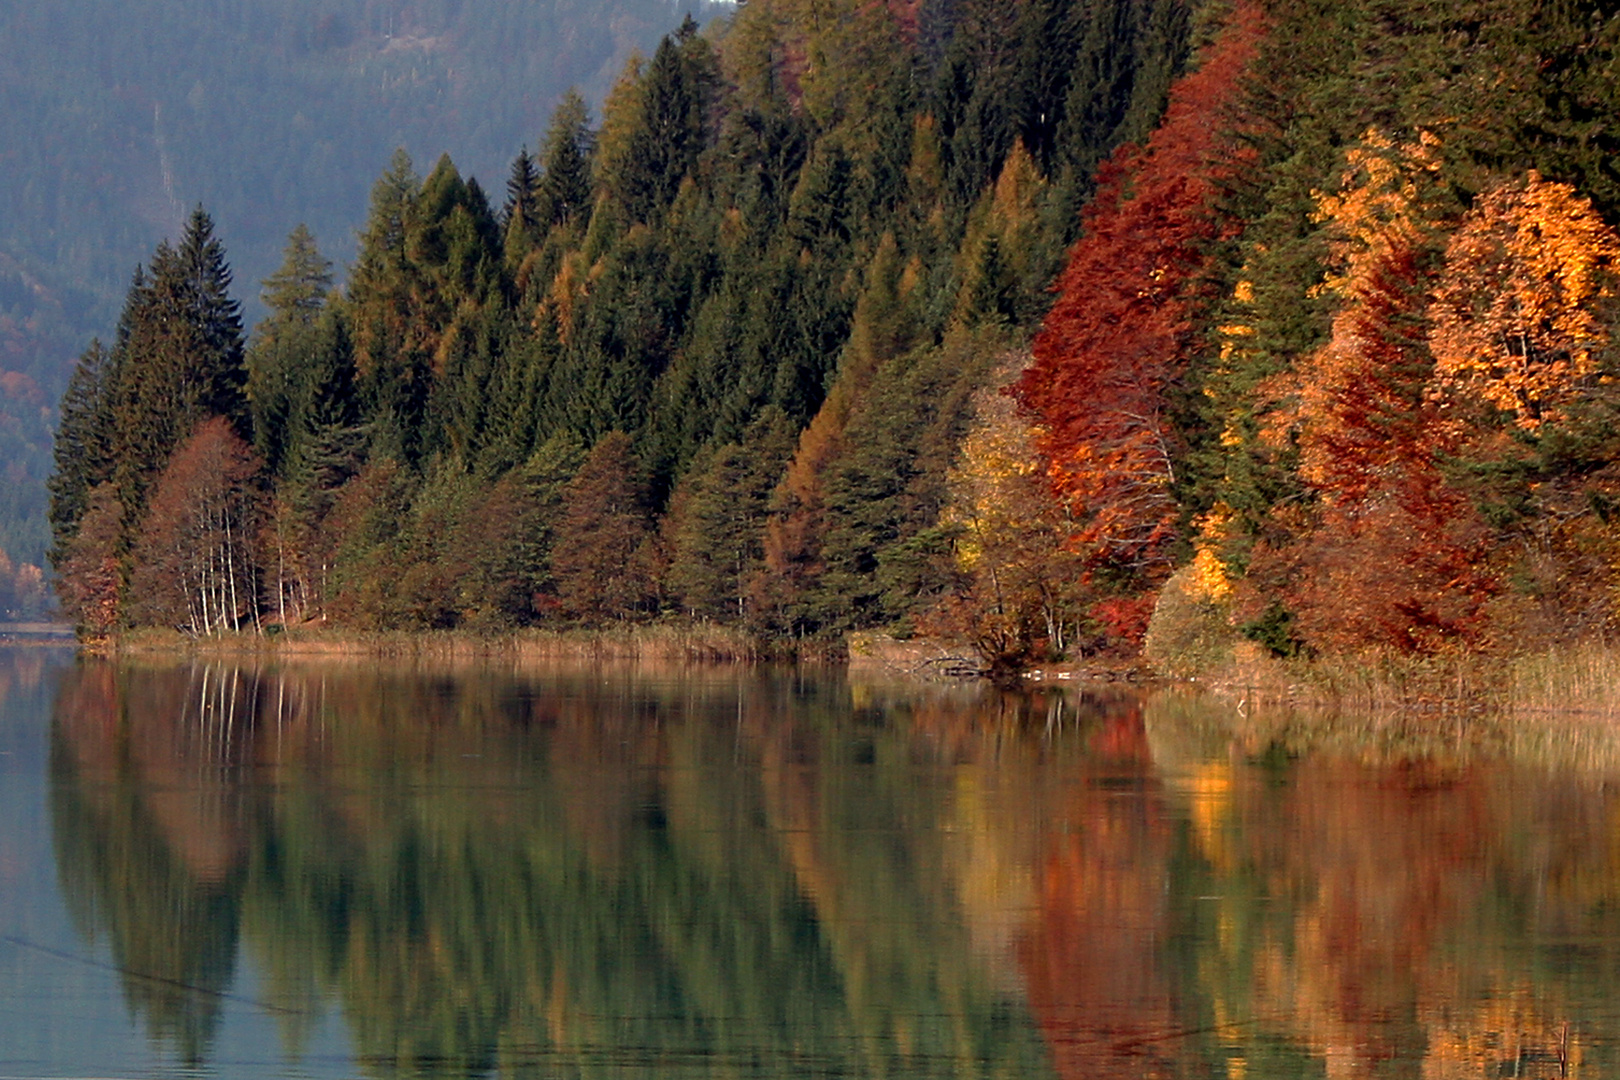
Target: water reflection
(710, 873)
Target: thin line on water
(161, 980)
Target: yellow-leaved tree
(1023, 586)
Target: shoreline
(1577, 680)
(689, 644)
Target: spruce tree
(519, 216)
(203, 289)
(178, 359)
(664, 147)
(564, 189)
(82, 450)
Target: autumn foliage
(194, 564)
(1120, 333)
(1330, 355)
(1517, 318)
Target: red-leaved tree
(1119, 335)
(1394, 555)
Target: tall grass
(1582, 680)
(699, 643)
(1575, 680)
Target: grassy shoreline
(690, 644)
(1577, 681)
(1580, 680)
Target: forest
(1068, 328)
(122, 117)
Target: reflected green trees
(720, 873)
(494, 873)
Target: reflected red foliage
(1091, 958)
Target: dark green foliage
(392, 357)
(886, 490)
(719, 526)
(1124, 61)
(1071, 81)
(521, 216)
(83, 450)
(463, 400)
(292, 360)
(368, 554)
(673, 128)
(1275, 630)
(177, 360)
(565, 181)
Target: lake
(347, 868)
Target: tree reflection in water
(728, 872)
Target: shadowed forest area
(1067, 328)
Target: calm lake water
(341, 869)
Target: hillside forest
(1061, 326)
(120, 118)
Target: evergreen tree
(520, 216)
(564, 191)
(178, 359)
(290, 349)
(602, 558)
(82, 449)
(719, 531)
(673, 129)
(296, 293)
(392, 352)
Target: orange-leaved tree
(1521, 338)
(1362, 410)
(194, 565)
(1395, 555)
(1516, 316)
(91, 582)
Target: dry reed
(653, 642)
